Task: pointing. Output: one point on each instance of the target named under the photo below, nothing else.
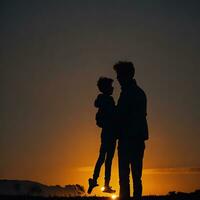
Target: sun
(114, 196)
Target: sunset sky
(51, 55)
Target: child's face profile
(109, 90)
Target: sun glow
(102, 189)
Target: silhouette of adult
(133, 129)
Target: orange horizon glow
(54, 169)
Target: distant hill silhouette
(30, 188)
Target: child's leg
(100, 161)
(108, 163)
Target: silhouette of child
(105, 120)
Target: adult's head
(125, 72)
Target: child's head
(105, 85)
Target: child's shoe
(92, 184)
(108, 189)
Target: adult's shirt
(132, 112)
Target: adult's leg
(136, 168)
(108, 162)
(124, 170)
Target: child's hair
(103, 83)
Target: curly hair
(103, 83)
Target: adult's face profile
(124, 79)
(121, 79)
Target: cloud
(148, 171)
(85, 169)
(178, 170)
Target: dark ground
(167, 197)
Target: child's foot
(92, 184)
(108, 189)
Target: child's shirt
(105, 116)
